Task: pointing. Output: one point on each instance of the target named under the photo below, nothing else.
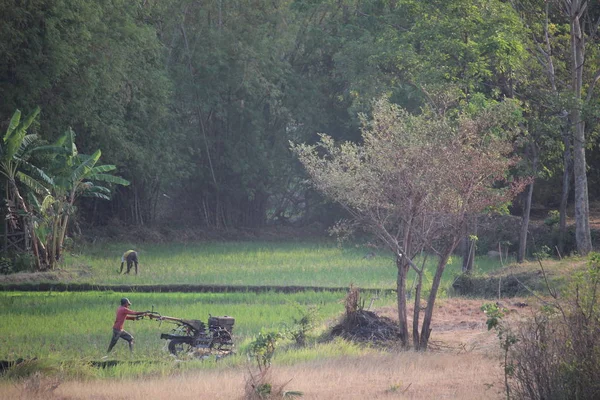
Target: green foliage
(18, 262)
(543, 253)
(303, 324)
(263, 348)
(6, 266)
(553, 218)
(494, 315)
(24, 262)
(199, 104)
(508, 339)
(98, 67)
(72, 175)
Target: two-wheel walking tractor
(194, 337)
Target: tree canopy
(195, 102)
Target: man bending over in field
(123, 313)
(131, 257)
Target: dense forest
(196, 102)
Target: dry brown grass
(386, 376)
(562, 268)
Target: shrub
(263, 348)
(259, 385)
(23, 262)
(553, 218)
(6, 266)
(19, 262)
(556, 355)
(303, 324)
(543, 253)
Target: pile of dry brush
(362, 326)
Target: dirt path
(459, 325)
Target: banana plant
(74, 175)
(15, 147)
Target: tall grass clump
(556, 355)
(259, 383)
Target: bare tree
(413, 182)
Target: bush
(303, 324)
(24, 262)
(6, 266)
(263, 348)
(259, 385)
(20, 262)
(557, 353)
(553, 218)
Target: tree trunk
(51, 249)
(564, 200)
(28, 225)
(417, 309)
(582, 227)
(421, 345)
(525, 224)
(403, 267)
(469, 246)
(527, 209)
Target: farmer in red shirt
(123, 313)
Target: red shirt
(123, 314)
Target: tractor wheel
(178, 347)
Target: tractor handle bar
(151, 314)
(157, 316)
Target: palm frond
(13, 142)
(85, 167)
(29, 120)
(117, 180)
(15, 139)
(25, 144)
(34, 202)
(50, 148)
(95, 195)
(38, 173)
(60, 142)
(99, 169)
(98, 189)
(14, 122)
(47, 203)
(32, 183)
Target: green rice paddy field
(248, 264)
(78, 324)
(68, 326)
